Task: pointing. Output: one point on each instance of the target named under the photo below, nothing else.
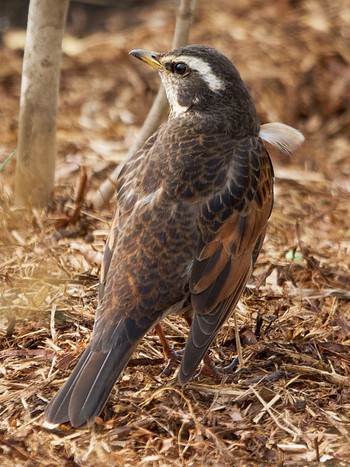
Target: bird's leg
(173, 356)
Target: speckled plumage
(192, 210)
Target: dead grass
(290, 404)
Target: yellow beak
(151, 58)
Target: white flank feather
(283, 137)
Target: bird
(192, 207)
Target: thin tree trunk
(38, 106)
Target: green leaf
(7, 160)
(295, 256)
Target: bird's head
(201, 79)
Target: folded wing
(233, 225)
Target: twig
(294, 433)
(155, 115)
(52, 322)
(303, 292)
(80, 190)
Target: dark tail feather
(57, 410)
(86, 391)
(95, 384)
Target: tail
(87, 389)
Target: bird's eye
(180, 68)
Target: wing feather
(233, 226)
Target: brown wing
(233, 225)
(124, 207)
(114, 339)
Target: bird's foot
(228, 371)
(174, 358)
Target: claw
(174, 358)
(228, 371)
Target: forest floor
(290, 403)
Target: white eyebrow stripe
(204, 69)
